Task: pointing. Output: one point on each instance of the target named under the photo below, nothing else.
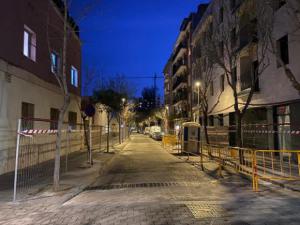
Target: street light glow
(198, 84)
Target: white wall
(25, 87)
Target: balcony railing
(248, 34)
(179, 80)
(180, 96)
(179, 47)
(176, 67)
(182, 114)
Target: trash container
(191, 137)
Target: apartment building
(272, 120)
(178, 91)
(30, 55)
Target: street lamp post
(121, 125)
(198, 84)
(199, 147)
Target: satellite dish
(90, 110)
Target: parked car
(147, 131)
(157, 136)
(133, 130)
(154, 129)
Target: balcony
(180, 66)
(180, 48)
(249, 74)
(248, 34)
(181, 115)
(181, 95)
(179, 80)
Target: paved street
(146, 185)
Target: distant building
(28, 62)
(178, 91)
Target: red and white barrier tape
(294, 132)
(31, 132)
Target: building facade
(178, 91)
(30, 55)
(229, 49)
(271, 120)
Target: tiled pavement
(146, 185)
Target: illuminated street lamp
(198, 85)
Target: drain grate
(206, 210)
(139, 185)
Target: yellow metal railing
(280, 165)
(169, 141)
(277, 165)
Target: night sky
(131, 37)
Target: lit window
(54, 62)
(74, 76)
(29, 45)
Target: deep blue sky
(132, 37)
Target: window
(222, 83)
(27, 113)
(29, 44)
(212, 88)
(283, 49)
(221, 15)
(72, 119)
(54, 116)
(233, 37)
(211, 121)
(221, 120)
(74, 76)
(201, 120)
(54, 62)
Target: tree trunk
(239, 136)
(65, 104)
(86, 138)
(205, 128)
(108, 129)
(120, 141)
(58, 143)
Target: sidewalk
(79, 176)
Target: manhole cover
(206, 210)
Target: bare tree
(68, 30)
(243, 35)
(60, 76)
(90, 75)
(204, 70)
(292, 15)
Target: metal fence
(269, 165)
(34, 157)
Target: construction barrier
(268, 165)
(36, 147)
(275, 165)
(169, 141)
